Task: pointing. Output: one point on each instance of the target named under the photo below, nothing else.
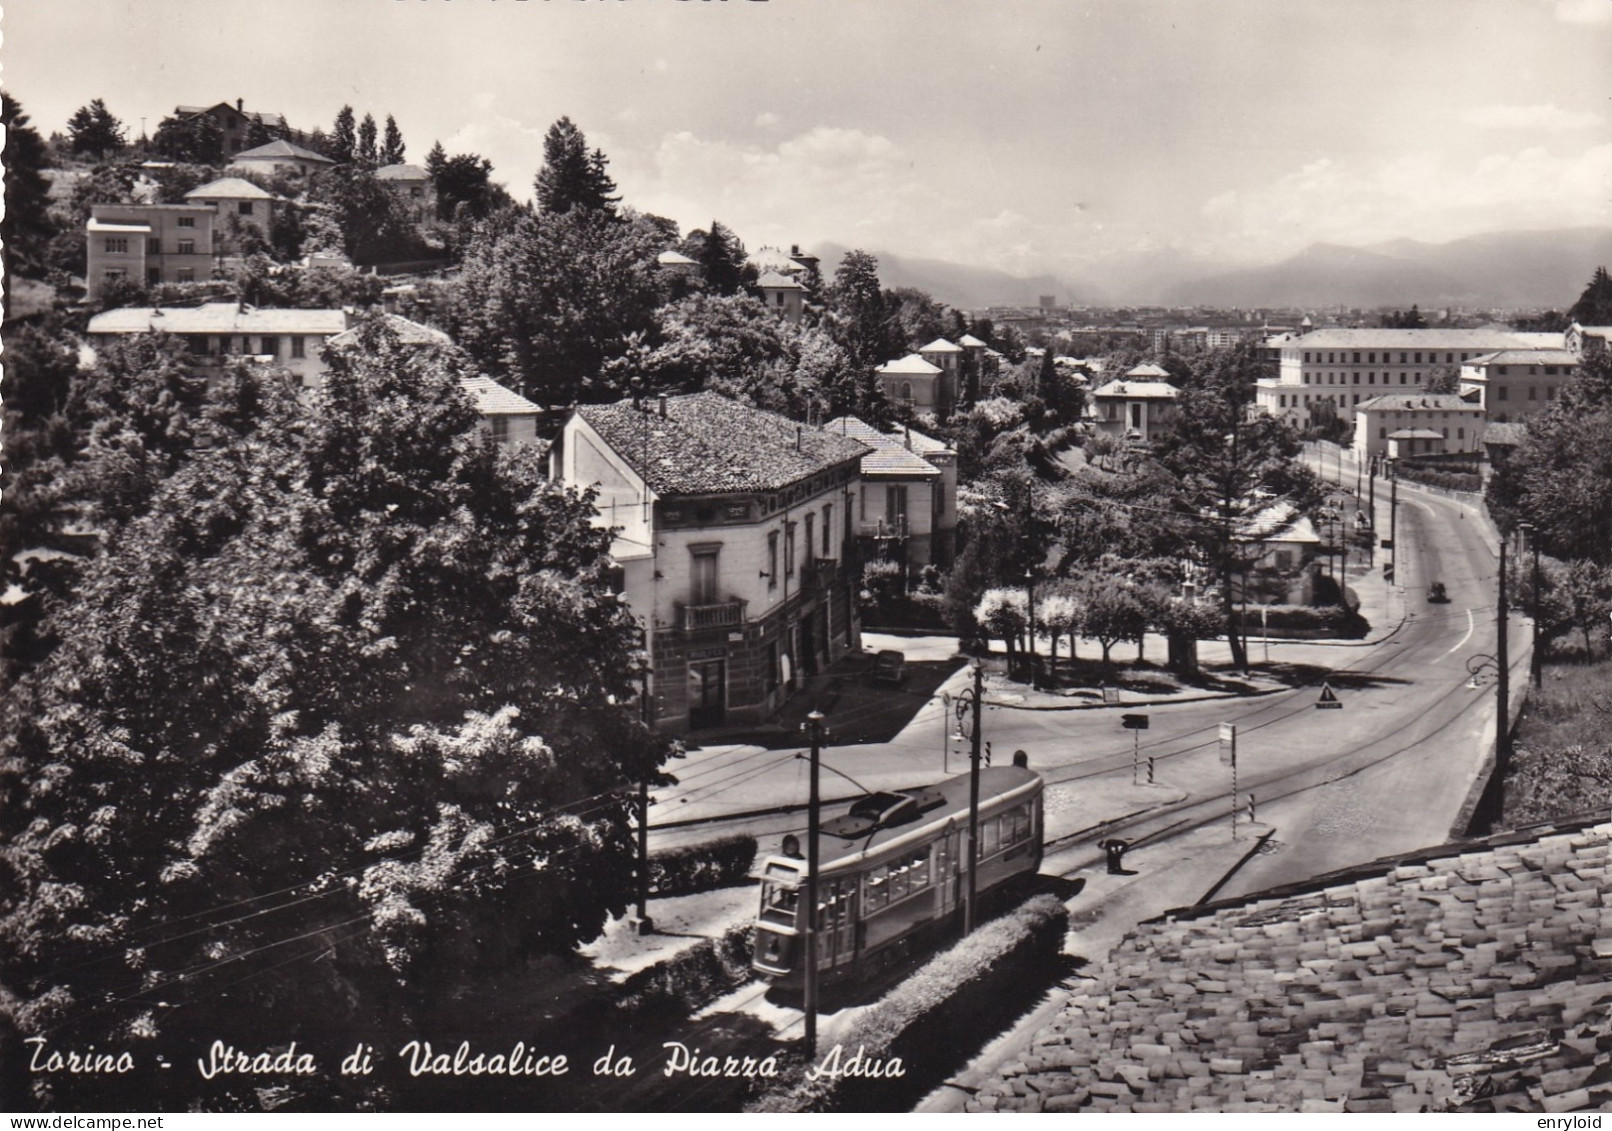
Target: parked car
(1436, 594)
(890, 666)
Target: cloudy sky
(1030, 135)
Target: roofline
(1382, 865)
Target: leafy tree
(1218, 455)
(342, 719)
(1594, 306)
(34, 389)
(366, 152)
(1560, 477)
(859, 308)
(95, 130)
(721, 257)
(392, 149)
(545, 299)
(196, 139)
(257, 133)
(465, 180)
(571, 176)
(917, 319)
(1112, 609)
(136, 413)
(374, 224)
(733, 345)
(344, 136)
(174, 181)
(25, 228)
(1443, 379)
(436, 159)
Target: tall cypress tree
(344, 136)
(366, 140)
(392, 147)
(571, 176)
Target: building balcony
(884, 528)
(694, 618)
(819, 575)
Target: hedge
(1323, 620)
(908, 610)
(1448, 480)
(991, 974)
(690, 981)
(701, 867)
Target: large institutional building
(1345, 367)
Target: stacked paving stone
(1472, 982)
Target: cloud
(1540, 118)
(767, 119)
(1425, 195)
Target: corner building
(733, 533)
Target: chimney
(907, 434)
(798, 432)
(240, 105)
(661, 403)
(637, 395)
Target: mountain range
(1517, 269)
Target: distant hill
(1499, 269)
(962, 286)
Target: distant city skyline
(1026, 137)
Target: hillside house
(734, 534)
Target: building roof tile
(218, 318)
(493, 399)
(941, 345)
(408, 332)
(780, 282)
(1406, 1010)
(708, 444)
(282, 148)
(1410, 402)
(890, 457)
(228, 188)
(402, 173)
(911, 364)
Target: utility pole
(1502, 685)
(807, 916)
(1393, 520)
(1536, 667)
(973, 799)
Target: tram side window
(990, 836)
(877, 892)
(900, 879)
(778, 904)
(1016, 825)
(920, 869)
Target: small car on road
(890, 666)
(1437, 595)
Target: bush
(690, 981)
(701, 867)
(985, 974)
(1303, 620)
(1448, 480)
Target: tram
(893, 866)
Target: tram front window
(778, 904)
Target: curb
(1235, 868)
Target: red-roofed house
(733, 530)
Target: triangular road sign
(1329, 699)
